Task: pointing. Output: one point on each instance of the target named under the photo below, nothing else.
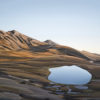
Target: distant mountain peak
(50, 42)
(14, 31)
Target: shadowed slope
(65, 50)
(92, 56)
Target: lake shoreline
(33, 72)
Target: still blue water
(70, 75)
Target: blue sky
(74, 23)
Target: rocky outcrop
(17, 91)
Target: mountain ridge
(14, 40)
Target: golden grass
(28, 75)
(9, 89)
(35, 65)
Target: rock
(9, 96)
(24, 90)
(40, 97)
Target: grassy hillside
(13, 41)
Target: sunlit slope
(13, 40)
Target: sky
(74, 23)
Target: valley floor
(25, 78)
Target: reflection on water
(70, 75)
